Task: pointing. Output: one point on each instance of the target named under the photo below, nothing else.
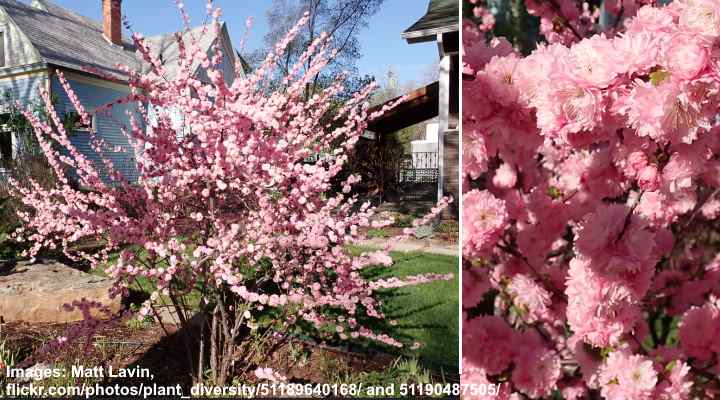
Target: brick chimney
(112, 21)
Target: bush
(28, 166)
(227, 219)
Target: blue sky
(381, 43)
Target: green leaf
(554, 192)
(265, 321)
(657, 77)
(605, 352)
(670, 366)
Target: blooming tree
(225, 208)
(590, 166)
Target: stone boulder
(37, 292)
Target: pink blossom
(698, 331)
(483, 333)
(505, 177)
(498, 78)
(269, 374)
(536, 373)
(711, 209)
(627, 377)
(529, 297)
(700, 16)
(592, 62)
(686, 57)
(648, 178)
(484, 218)
(678, 385)
(604, 229)
(652, 20)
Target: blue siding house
(39, 38)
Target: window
(2, 49)
(6, 142)
(73, 123)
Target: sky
(381, 44)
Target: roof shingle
(442, 16)
(69, 40)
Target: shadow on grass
(426, 315)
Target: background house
(41, 38)
(439, 99)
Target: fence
(419, 167)
(4, 175)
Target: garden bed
(426, 314)
(299, 360)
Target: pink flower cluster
(225, 202)
(482, 13)
(590, 180)
(268, 374)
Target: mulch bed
(165, 356)
(117, 346)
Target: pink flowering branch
(225, 204)
(590, 171)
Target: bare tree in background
(342, 19)
(389, 87)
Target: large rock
(37, 292)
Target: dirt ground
(166, 356)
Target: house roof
(70, 40)
(169, 51)
(167, 47)
(442, 16)
(419, 105)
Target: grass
(381, 383)
(427, 313)
(378, 233)
(7, 359)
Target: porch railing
(419, 167)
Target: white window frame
(93, 120)
(3, 30)
(93, 125)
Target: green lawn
(426, 313)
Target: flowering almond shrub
(225, 209)
(590, 206)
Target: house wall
(229, 57)
(21, 87)
(448, 135)
(450, 171)
(93, 93)
(227, 66)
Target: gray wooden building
(440, 24)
